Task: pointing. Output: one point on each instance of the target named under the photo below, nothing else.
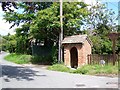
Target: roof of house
(76, 39)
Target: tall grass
(87, 69)
(59, 67)
(18, 58)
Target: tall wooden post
(113, 36)
(60, 55)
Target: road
(19, 76)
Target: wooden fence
(96, 58)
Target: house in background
(76, 50)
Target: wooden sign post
(114, 36)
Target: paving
(29, 76)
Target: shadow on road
(18, 73)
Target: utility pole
(60, 55)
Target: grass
(59, 67)
(18, 58)
(24, 59)
(87, 69)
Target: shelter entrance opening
(74, 57)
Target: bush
(48, 57)
(41, 59)
(54, 55)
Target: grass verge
(59, 67)
(18, 58)
(24, 59)
(87, 69)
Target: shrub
(41, 59)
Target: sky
(114, 7)
(4, 26)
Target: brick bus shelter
(76, 50)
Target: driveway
(19, 76)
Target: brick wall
(82, 49)
(87, 51)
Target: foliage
(26, 12)
(10, 43)
(45, 56)
(101, 46)
(18, 58)
(23, 44)
(101, 17)
(54, 55)
(24, 16)
(7, 6)
(44, 60)
(99, 25)
(47, 23)
(3, 43)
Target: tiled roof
(76, 39)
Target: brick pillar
(80, 55)
(67, 56)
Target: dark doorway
(74, 57)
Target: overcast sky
(4, 27)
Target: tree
(100, 15)
(46, 25)
(9, 43)
(6, 6)
(99, 25)
(22, 39)
(28, 10)
(26, 13)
